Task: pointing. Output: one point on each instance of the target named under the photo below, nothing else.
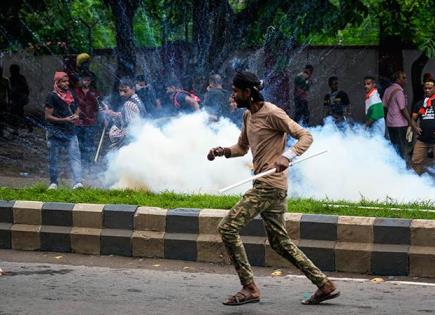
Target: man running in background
(264, 131)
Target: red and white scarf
(65, 95)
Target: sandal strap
(239, 296)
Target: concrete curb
(379, 246)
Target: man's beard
(244, 103)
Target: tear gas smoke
(357, 165)
(172, 157)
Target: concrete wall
(350, 65)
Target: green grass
(168, 200)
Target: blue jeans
(86, 137)
(72, 146)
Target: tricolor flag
(374, 107)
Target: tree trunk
(416, 72)
(123, 12)
(201, 38)
(390, 57)
(217, 32)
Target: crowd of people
(77, 114)
(412, 133)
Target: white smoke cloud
(356, 166)
(172, 157)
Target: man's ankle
(327, 287)
(251, 287)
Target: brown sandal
(317, 297)
(241, 298)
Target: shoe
(53, 186)
(78, 185)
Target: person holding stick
(264, 131)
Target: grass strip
(387, 209)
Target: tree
(13, 32)
(123, 12)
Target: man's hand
(218, 151)
(416, 128)
(71, 118)
(281, 164)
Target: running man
(264, 131)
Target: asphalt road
(77, 284)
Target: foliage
(171, 200)
(94, 14)
(412, 21)
(334, 22)
(147, 31)
(63, 26)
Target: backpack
(177, 104)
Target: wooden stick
(99, 145)
(271, 171)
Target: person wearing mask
(147, 95)
(216, 98)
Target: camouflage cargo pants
(271, 204)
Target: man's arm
(191, 101)
(49, 116)
(282, 122)
(401, 102)
(238, 149)
(416, 128)
(347, 105)
(326, 106)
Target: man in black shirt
(147, 95)
(61, 111)
(336, 103)
(424, 112)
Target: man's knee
(224, 228)
(280, 244)
(227, 230)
